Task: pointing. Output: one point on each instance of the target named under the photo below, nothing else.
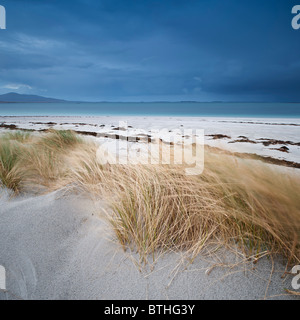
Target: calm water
(286, 110)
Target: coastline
(66, 248)
(270, 140)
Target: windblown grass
(59, 139)
(20, 136)
(9, 157)
(44, 160)
(233, 202)
(239, 202)
(34, 160)
(11, 150)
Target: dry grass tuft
(34, 160)
(10, 153)
(233, 202)
(59, 139)
(20, 136)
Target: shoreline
(216, 136)
(85, 231)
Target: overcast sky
(149, 50)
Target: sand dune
(56, 246)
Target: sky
(151, 50)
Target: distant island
(13, 97)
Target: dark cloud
(151, 50)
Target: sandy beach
(59, 244)
(149, 150)
(55, 246)
(267, 137)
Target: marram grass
(21, 136)
(10, 153)
(233, 202)
(34, 160)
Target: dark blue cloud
(151, 50)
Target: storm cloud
(131, 50)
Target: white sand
(57, 247)
(253, 128)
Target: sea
(189, 109)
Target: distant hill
(16, 97)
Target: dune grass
(44, 160)
(59, 139)
(9, 157)
(240, 202)
(34, 160)
(20, 136)
(233, 202)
